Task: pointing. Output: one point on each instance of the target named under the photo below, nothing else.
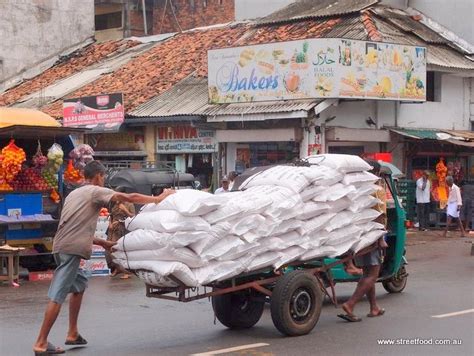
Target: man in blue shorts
(73, 242)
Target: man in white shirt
(454, 205)
(225, 186)
(423, 192)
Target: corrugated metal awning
(187, 98)
(310, 9)
(461, 138)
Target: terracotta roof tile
(158, 69)
(65, 67)
(370, 27)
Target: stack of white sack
(280, 215)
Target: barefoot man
(73, 242)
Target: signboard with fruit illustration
(317, 68)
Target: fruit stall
(34, 174)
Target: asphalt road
(117, 318)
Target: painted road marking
(231, 349)
(467, 311)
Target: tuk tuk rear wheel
(240, 310)
(296, 303)
(397, 283)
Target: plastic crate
(25, 203)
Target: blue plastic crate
(28, 203)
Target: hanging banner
(185, 139)
(99, 113)
(317, 68)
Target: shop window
(433, 86)
(347, 150)
(107, 21)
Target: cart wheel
(397, 283)
(296, 303)
(240, 310)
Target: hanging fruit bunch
(73, 175)
(81, 155)
(54, 196)
(39, 159)
(55, 160)
(29, 179)
(13, 157)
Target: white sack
(155, 279)
(163, 269)
(328, 176)
(359, 178)
(363, 202)
(342, 235)
(239, 251)
(265, 229)
(312, 191)
(315, 224)
(369, 226)
(284, 176)
(221, 247)
(241, 225)
(366, 215)
(284, 201)
(287, 226)
(343, 163)
(316, 239)
(323, 251)
(289, 255)
(218, 271)
(293, 238)
(363, 190)
(166, 221)
(150, 240)
(312, 209)
(240, 203)
(339, 205)
(334, 192)
(264, 260)
(180, 254)
(143, 240)
(344, 247)
(221, 229)
(342, 219)
(368, 239)
(188, 202)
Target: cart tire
(240, 310)
(397, 283)
(296, 303)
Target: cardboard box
(95, 267)
(40, 276)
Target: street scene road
(117, 318)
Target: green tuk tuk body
(392, 275)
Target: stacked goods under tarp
(280, 215)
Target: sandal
(349, 318)
(50, 350)
(380, 313)
(79, 341)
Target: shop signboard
(317, 68)
(185, 139)
(99, 113)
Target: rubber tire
(394, 285)
(228, 309)
(281, 299)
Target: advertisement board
(317, 68)
(185, 139)
(100, 112)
